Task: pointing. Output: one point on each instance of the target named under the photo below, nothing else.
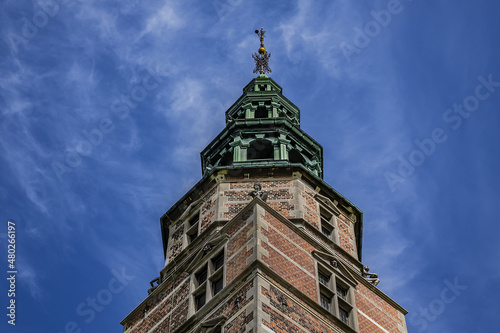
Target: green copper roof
(263, 127)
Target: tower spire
(262, 57)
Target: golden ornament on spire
(261, 58)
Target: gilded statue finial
(262, 57)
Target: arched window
(260, 150)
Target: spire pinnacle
(262, 57)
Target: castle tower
(261, 243)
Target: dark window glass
(200, 301)
(218, 261)
(194, 220)
(261, 112)
(193, 236)
(324, 217)
(323, 278)
(326, 232)
(325, 301)
(217, 286)
(201, 276)
(344, 315)
(342, 293)
(218, 330)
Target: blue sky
(404, 97)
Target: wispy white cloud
(30, 279)
(164, 21)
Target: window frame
(212, 271)
(340, 304)
(328, 223)
(192, 227)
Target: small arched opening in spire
(295, 157)
(227, 159)
(260, 150)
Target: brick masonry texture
(207, 213)
(176, 242)
(346, 234)
(279, 196)
(260, 235)
(158, 310)
(236, 248)
(289, 315)
(377, 309)
(367, 326)
(290, 256)
(310, 207)
(291, 198)
(230, 308)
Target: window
(342, 293)
(208, 280)
(344, 316)
(218, 261)
(200, 301)
(326, 231)
(327, 224)
(213, 325)
(334, 295)
(217, 286)
(326, 301)
(323, 278)
(192, 228)
(201, 276)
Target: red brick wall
(346, 235)
(289, 256)
(367, 326)
(279, 196)
(176, 241)
(236, 249)
(377, 309)
(310, 208)
(230, 307)
(207, 213)
(291, 317)
(159, 308)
